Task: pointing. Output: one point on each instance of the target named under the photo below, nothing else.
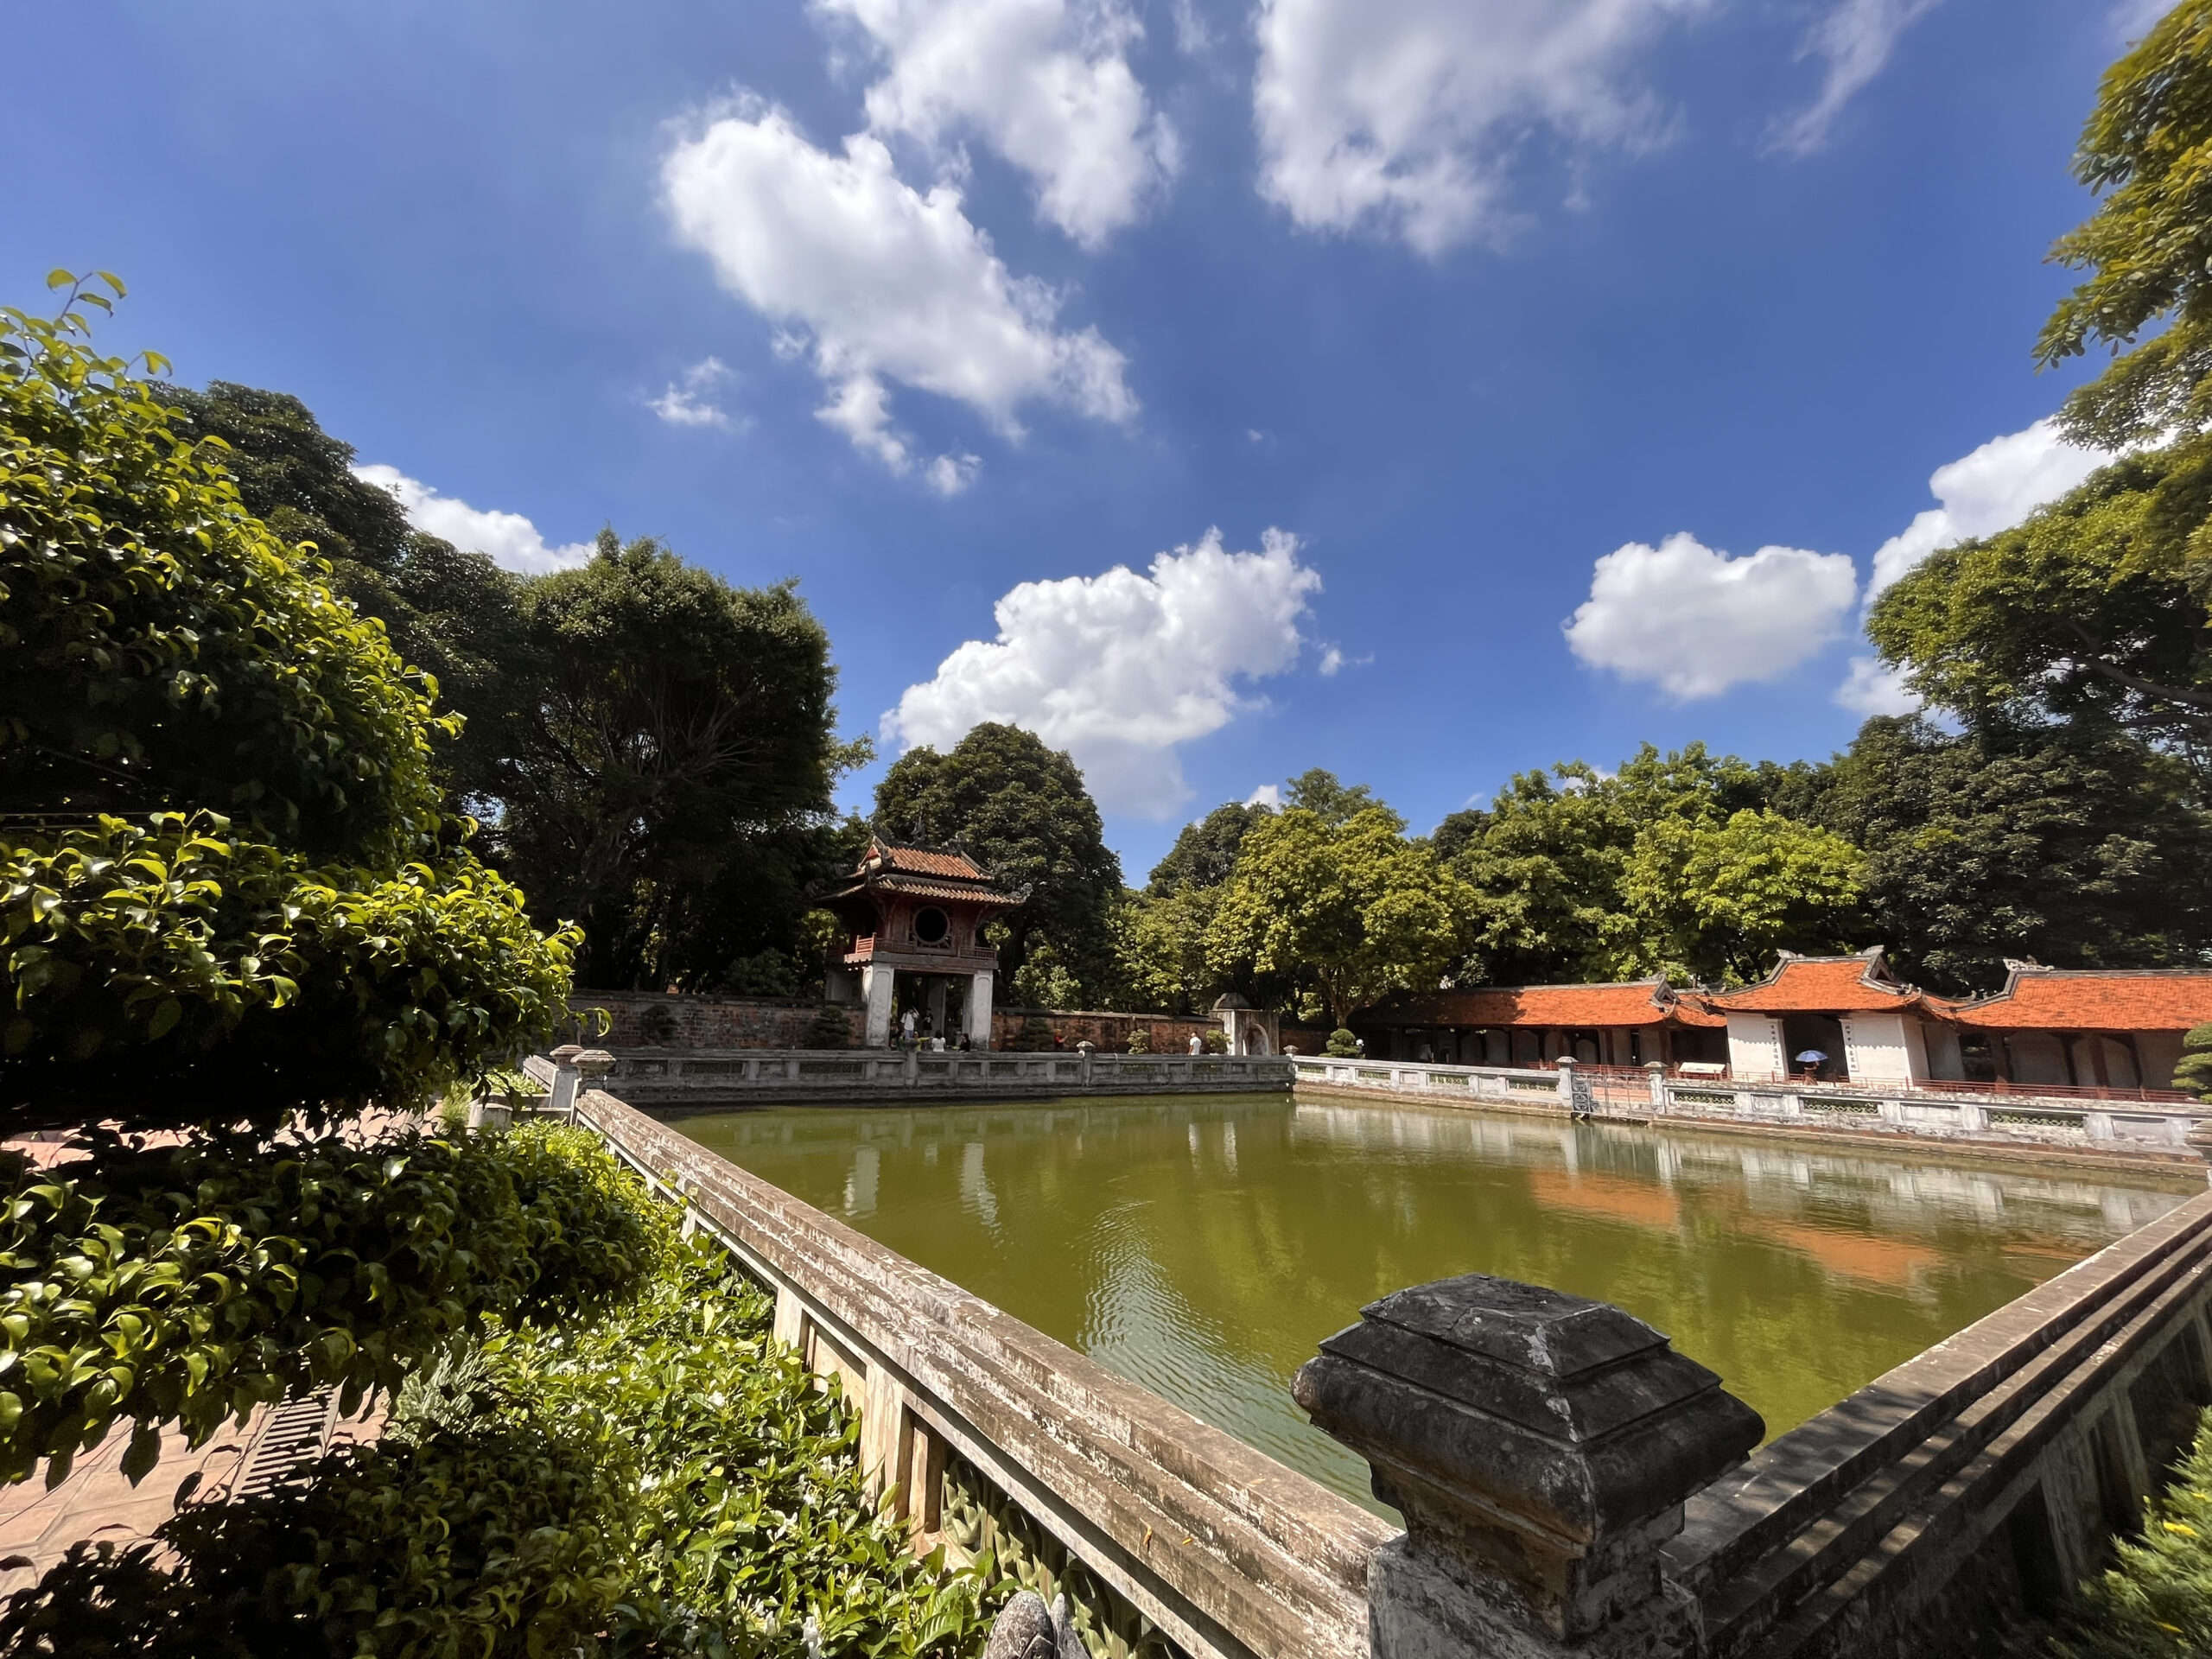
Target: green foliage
(2078, 846)
(1342, 1043)
(1216, 1042)
(1160, 947)
(1204, 853)
(2195, 1070)
(1351, 908)
(2147, 150)
(1322, 793)
(1141, 1039)
(295, 891)
(669, 786)
(2157, 1602)
(664, 1480)
(171, 971)
(830, 1029)
(187, 1283)
(1713, 901)
(2094, 609)
(1036, 1036)
(1020, 809)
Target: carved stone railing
(663, 1077)
(2157, 1130)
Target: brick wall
(1171, 1033)
(648, 1018)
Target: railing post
(1657, 1072)
(1084, 1050)
(1540, 1447)
(592, 1066)
(561, 1101)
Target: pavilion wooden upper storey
(920, 909)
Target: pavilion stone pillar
(875, 996)
(979, 1009)
(1539, 1447)
(937, 987)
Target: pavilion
(918, 914)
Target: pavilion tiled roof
(921, 887)
(1634, 1002)
(2054, 999)
(1857, 984)
(923, 860)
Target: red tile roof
(2113, 1000)
(1821, 985)
(1638, 1003)
(920, 861)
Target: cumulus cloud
(1992, 489)
(1872, 688)
(1265, 795)
(1695, 622)
(1120, 668)
(876, 283)
(1405, 116)
(1854, 41)
(511, 540)
(689, 400)
(1045, 83)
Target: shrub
(1036, 1035)
(2157, 1602)
(2195, 1072)
(831, 1028)
(189, 1284)
(665, 1481)
(1141, 1039)
(1216, 1042)
(1342, 1043)
(224, 834)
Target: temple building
(2048, 1029)
(914, 919)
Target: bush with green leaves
(664, 1480)
(229, 885)
(1342, 1044)
(2195, 1072)
(2156, 1603)
(186, 1284)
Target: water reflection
(1202, 1246)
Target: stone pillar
(592, 1067)
(875, 995)
(562, 1102)
(1540, 1447)
(937, 988)
(1657, 1074)
(979, 1009)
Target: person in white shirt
(1197, 1044)
(906, 1024)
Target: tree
(670, 782)
(1712, 901)
(1160, 948)
(2075, 846)
(1020, 809)
(1319, 792)
(1350, 911)
(450, 612)
(230, 883)
(1204, 853)
(2089, 610)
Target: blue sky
(1459, 321)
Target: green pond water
(1202, 1245)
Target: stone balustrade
(1570, 1486)
(2123, 1128)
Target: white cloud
(877, 282)
(1854, 41)
(1118, 668)
(2132, 19)
(1334, 662)
(1869, 688)
(688, 401)
(1406, 116)
(512, 540)
(1992, 489)
(1695, 622)
(1046, 83)
(1265, 795)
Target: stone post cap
(1540, 1440)
(566, 1054)
(595, 1062)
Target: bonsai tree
(2195, 1072)
(1037, 1034)
(1141, 1039)
(1216, 1042)
(1342, 1043)
(831, 1028)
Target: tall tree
(1714, 900)
(1346, 911)
(2075, 846)
(673, 762)
(1204, 853)
(1022, 809)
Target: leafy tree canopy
(292, 922)
(1319, 791)
(1349, 910)
(1204, 853)
(1021, 810)
(669, 780)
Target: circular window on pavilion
(931, 925)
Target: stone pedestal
(979, 1011)
(562, 1102)
(1540, 1446)
(876, 996)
